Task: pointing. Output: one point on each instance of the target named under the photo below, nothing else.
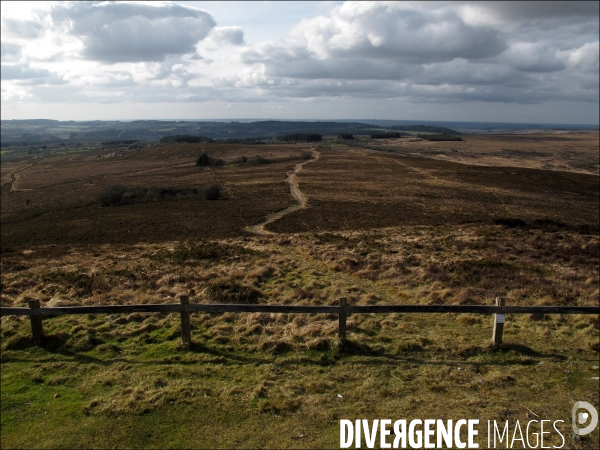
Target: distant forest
(300, 137)
(37, 132)
(40, 131)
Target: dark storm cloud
(517, 11)
(132, 32)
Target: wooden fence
(185, 308)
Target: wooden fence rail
(185, 308)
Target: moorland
(385, 222)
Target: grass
(264, 380)
(129, 392)
(380, 229)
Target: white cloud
(10, 51)
(119, 32)
(424, 53)
(227, 35)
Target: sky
(532, 62)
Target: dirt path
(13, 178)
(296, 193)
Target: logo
(582, 417)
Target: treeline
(20, 144)
(345, 136)
(390, 135)
(119, 143)
(246, 141)
(188, 138)
(301, 137)
(205, 161)
(439, 137)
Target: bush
(112, 195)
(345, 136)
(212, 192)
(120, 195)
(256, 160)
(203, 160)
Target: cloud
(538, 11)
(24, 75)
(534, 57)
(435, 52)
(25, 29)
(412, 52)
(227, 35)
(10, 51)
(371, 32)
(22, 72)
(586, 58)
(132, 32)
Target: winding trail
(13, 179)
(296, 193)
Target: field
(402, 221)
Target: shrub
(212, 192)
(203, 160)
(256, 160)
(112, 195)
(120, 195)
(347, 136)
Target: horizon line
(316, 120)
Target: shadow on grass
(361, 354)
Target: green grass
(105, 381)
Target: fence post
(498, 323)
(186, 332)
(342, 321)
(37, 327)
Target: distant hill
(426, 129)
(100, 131)
(38, 131)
